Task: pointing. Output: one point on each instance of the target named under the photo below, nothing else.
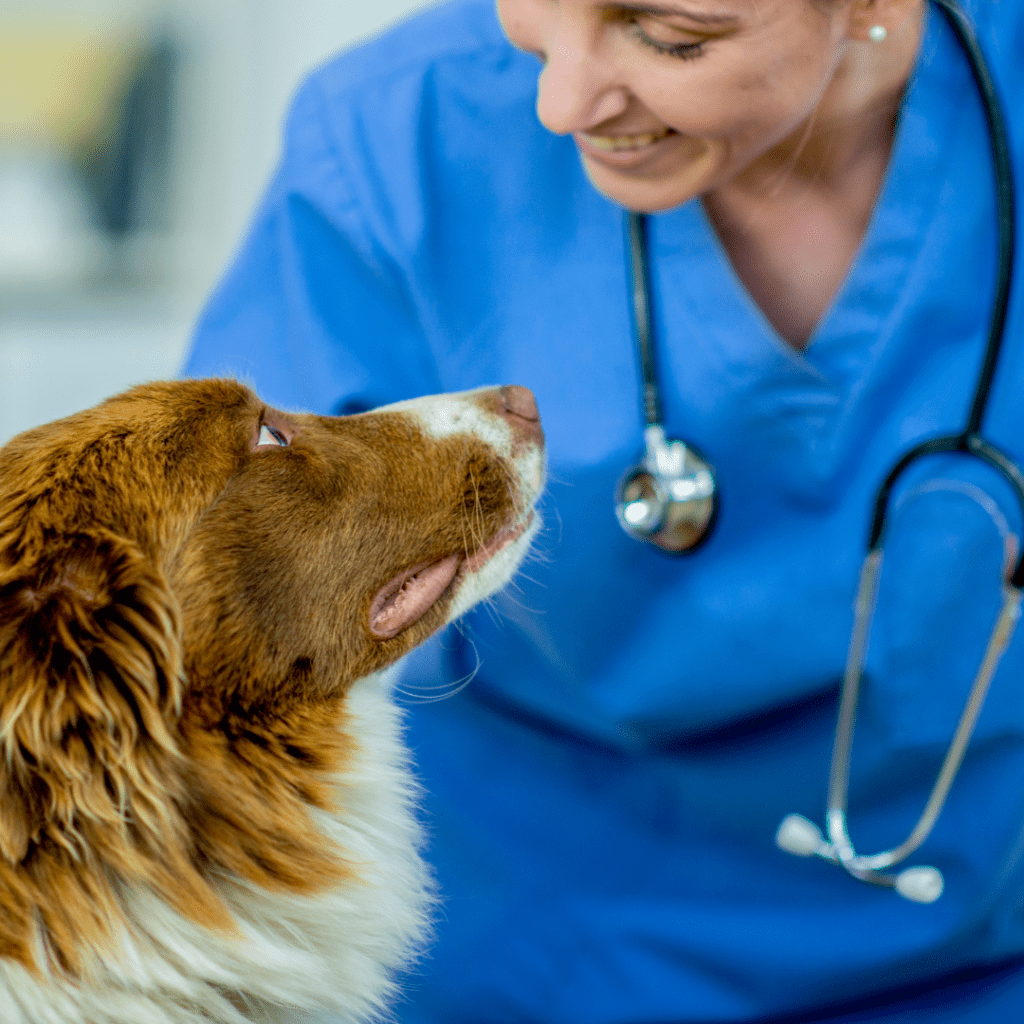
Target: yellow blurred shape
(60, 86)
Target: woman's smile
(619, 142)
(625, 153)
(673, 99)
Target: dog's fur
(205, 807)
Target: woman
(603, 797)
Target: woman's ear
(876, 21)
(90, 688)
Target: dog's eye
(268, 435)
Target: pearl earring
(877, 33)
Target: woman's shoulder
(1000, 27)
(432, 87)
(1006, 14)
(462, 33)
(433, 118)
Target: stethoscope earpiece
(801, 837)
(921, 884)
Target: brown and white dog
(206, 812)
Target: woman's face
(669, 99)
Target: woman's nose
(577, 89)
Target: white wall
(243, 59)
(49, 370)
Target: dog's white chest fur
(332, 952)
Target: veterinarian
(821, 265)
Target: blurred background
(135, 139)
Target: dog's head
(185, 572)
(347, 541)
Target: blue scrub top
(603, 796)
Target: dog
(206, 810)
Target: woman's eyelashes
(684, 51)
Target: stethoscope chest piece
(670, 498)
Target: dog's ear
(90, 687)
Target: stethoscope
(671, 497)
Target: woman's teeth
(616, 143)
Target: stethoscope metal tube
(798, 835)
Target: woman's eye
(685, 51)
(268, 435)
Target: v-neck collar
(718, 309)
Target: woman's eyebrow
(676, 10)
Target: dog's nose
(519, 401)
(520, 411)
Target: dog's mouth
(407, 597)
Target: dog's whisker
(481, 535)
(457, 686)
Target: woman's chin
(659, 186)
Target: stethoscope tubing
(964, 443)
(1005, 213)
(840, 848)
(968, 441)
(636, 237)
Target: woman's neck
(852, 126)
(794, 220)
